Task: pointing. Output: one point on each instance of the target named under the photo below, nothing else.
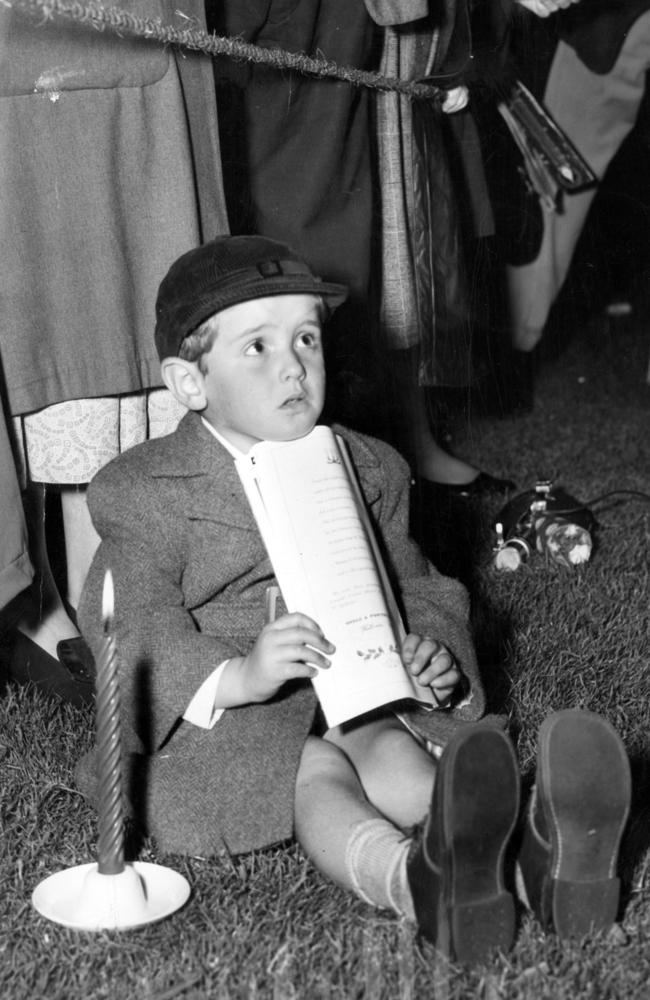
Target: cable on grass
(637, 494)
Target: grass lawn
(268, 926)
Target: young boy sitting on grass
(227, 748)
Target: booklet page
(316, 532)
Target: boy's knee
(320, 759)
(328, 769)
(391, 737)
(375, 740)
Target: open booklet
(316, 529)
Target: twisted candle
(110, 832)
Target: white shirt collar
(230, 448)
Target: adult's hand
(455, 100)
(543, 8)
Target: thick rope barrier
(123, 22)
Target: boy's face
(265, 375)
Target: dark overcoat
(110, 168)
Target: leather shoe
(574, 824)
(481, 486)
(455, 863)
(29, 663)
(76, 657)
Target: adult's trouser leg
(597, 112)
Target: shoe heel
(481, 927)
(584, 908)
(480, 913)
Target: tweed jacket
(191, 574)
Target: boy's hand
(290, 647)
(432, 665)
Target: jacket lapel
(214, 490)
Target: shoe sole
(586, 806)
(479, 802)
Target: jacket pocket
(56, 56)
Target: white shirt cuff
(201, 711)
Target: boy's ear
(184, 380)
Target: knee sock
(375, 859)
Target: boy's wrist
(233, 688)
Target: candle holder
(83, 898)
(110, 894)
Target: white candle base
(83, 898)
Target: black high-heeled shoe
(481, 486)
(70, 678)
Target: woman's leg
(43, 617)
(417, 439)
(431, 460)
(81, 540)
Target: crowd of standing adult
(118, 155)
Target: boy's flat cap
(225, 272)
